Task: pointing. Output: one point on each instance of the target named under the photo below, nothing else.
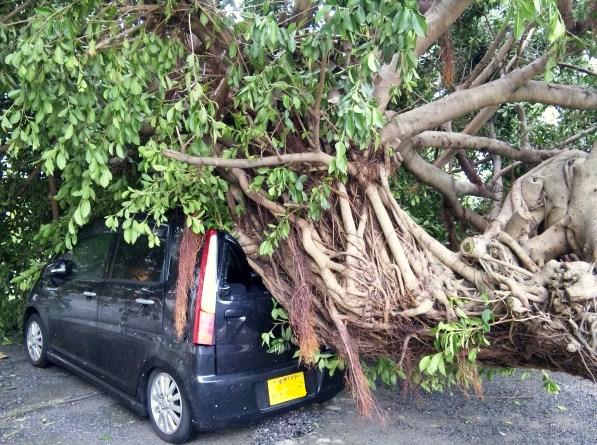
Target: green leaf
(442, 367)
(424, 363)
(372, 62)
(434, 363)
(60, 160)
(105, 177)
(78, 217)
(557, 31)
(68, 133)
(15, 117)
(419, 25)
(58, 55)
(85, 208)
(44, 12)
(136, 87)
(6, 125)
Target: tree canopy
(424, 163)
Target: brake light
(207, 288)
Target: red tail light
(207, 288)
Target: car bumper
(223, 400)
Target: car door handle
(89, 294)
(144, 301)
(234, 313)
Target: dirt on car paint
(53, 406)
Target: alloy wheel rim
(34, 341)
(166, 403)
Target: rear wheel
(36, 342)
(168, 408)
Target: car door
(73, 303)
(130, 311)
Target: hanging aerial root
(301, 305)
(189, 247)
(358, 382)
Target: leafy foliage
(458, 343)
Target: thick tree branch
(553, 94)
(494, 64)
(524, 128)
(498, 183)
(486, 113)
(439, 18)
(476, 123)
(442, 182)
(485, 60)
(442, 139)
(269, 161)
(515, 87)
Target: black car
(105, 311)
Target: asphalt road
(52, 406)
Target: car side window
(138, 261)
(89, 257)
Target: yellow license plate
(285, 388)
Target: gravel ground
(52, 406)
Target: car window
(138, 262)
(237, 269)
(89, 257)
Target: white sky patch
(551, 116)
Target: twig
(574, 137)
(577, 68)
(105, 42)
(16, 11)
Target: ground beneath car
(52, 406)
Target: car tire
(168, 407)
(36, 343)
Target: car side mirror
(60, 268)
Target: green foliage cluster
(457, 344)
(81, 100)
(385, 370)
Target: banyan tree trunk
(369, 281)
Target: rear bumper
(222, 400)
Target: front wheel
(168, 408)
(36, 342)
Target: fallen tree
(288, 123)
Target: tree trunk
(369, 281)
